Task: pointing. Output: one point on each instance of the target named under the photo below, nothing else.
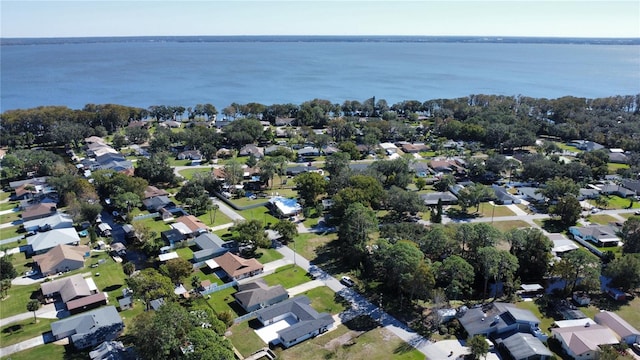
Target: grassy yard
(155, 224)
(306, 244)
(545, 322)
(219, 219)
(268, 255)
(245, 339)
(17, 299)
(324, 299)
(188, 173)
(221, 301)
(288, 277)
(488, 210)
(505, 226)
(111, 279)
(9, 205)
(49, 351)
(10, 217)
(4, 195)
(10, 232)
(566, 147)
(260, 213)
(613, 167)
(601, 219)
(616, 202)
(24, 330)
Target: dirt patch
(342, 340)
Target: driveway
(24, 345)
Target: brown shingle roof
(236, 266)
(193, 223)
(52, 258)
(38, 211)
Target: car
(636, 347)
(637, 212)
(347, 281)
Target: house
(154, 204)
(295, 170)
(257, 295)
(52, 222)
(238, 268)
(284, 207)
(284, 121)
(90, 328)
(601, 235)
(43, 241)
(446, 166)
(172, 236)
(190, 225)
(69, 288)
(125, 303)
(503, 197)
(584, 194)
(531, 194)
(308, 151)
(329, 150)
(586, 145)
(275, 148)
(118, 249)
(152, 191)
(190, 155)
(498, 318)
(432, 199)
(110, 350)
(614, 189)
(62, 258)
(633, 185)
(251, 149)
(414, 148)
(39, 211)
(94, 140)
(299, 319)
(583, 342)
(618, 158)
(389, 148)
(210, 245)
(521, 346)
(561, 245)
(87, 303)
(621, 327)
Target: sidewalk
(304, 287)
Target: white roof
(46, 240)
(616, 150)
(576, 322)
(388, 146)
(91, 284)
(183, 228)
(168, 256)
(212, 264)
(563, 246)
(57, 220)
(531, 287)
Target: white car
(637, 212)
(347, 281)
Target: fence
(145, 216)
(244, 317)
(213, 289)
(588, 246)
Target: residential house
(190, 155)
(621, 327)
(601, 235)
(154, 204)
(498, 318)
(119, 249)
(503, 197)
(190, 225)
(55, 221)
(257, 295)
(308, 151)
(389, 148)
(172, 236)
(618, 158)
(87, 303)
(284, 121)
(39, 211)
(94, 140)
(284, 207)
(446, 167)
(586, 145)
(210, 245)
(43, 241)
(62, 258)
(633, 185)
(414, 148)
(295, 170)
(152, 191)
(238, 268)
(274, 148)
(30, 188)
(583, 342)
(251, 149)
(584, 194)
(561, 245)
(615, 189)
(303, 321)
(522, 346)
(172, 124)
(77, 293)
(110, 350)
(531, 194)
(432, 199)
(90, 328)
(330, 150)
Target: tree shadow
(361, 323)
(553, 226)
(403, 348)
(12, 329)
(112, 287)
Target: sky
(570, 18)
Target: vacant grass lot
(616, 202)
(288, 277)
(260, 213)
(188, 173)
(505, 226)
(306, 244)
(245, 339)
(601, 219)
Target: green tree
(156, 169)
(402, 202)
(353, 233)
(578, 266)
(251, 232)
(568, 209)
(128, 268)
(533, 250)
(208, 345)
(287, 230)
(233, 172)
(474, 194)
(559, 187)
(177, 269)
(7, 271)
(420, 183)
(124, 202)
(624, 272)
(149, 284)
(5, 285)
(455, 275)
(630, 234)
(478, 346)
(268, 169)
(444, 183)
(33, 305)
(310, 186)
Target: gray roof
(495, 317)
(56, 221)
(523, 346)
(211, 245)
(308, 318)
(432, 198)
(157, 202)
(532, 193)
(47, 240)
(258, 292)
(87, 323)
(502, 194)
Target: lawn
(221, 301)
(219, 219)
(288, 277)
(343, 343)
(4, 195)
(601, 219)
(9, 205)
(260, 213)
(188, 173)
(10, 217)
(155, 224)
(488, 210)
(268, 255)
(245, 339)
(614, 167)
(111, 279)
(17, 299)
(566, 147)
(306, 244)
(324, 299)
(24, 330)
(545, 322)
(505, 226)
(616, 202)
(10, 232)
(49, 351)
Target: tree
(624, 272)
(268, 169)
(473, 195)
(177, 269)
(444, 183)
(128, 268)
(533, 251)
(353, 232)
(478, 346)
(287, 230)
(33, 305)
(156, 169)
(251, 232)
(558, 187)
(405, 269)
(208, 345)
(7, 271)
(5, 285)
(402, 202)
(310, 185)
(420, 183)
(149, 284)
(578, 266)
(631, 235)
(456, 275)
(568, 209)
(233, 172)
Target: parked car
(637, 212)
(347, 281)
